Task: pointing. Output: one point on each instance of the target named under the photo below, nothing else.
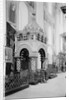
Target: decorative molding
(32, 27)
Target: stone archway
(27, 50)
(42, 46)
(22, 46)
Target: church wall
(39, 14)
(23, 15)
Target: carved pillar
(18, 65)
(34, 63)
(33, 68)
(39, 61)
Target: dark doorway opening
(24, 55)
(42, 53)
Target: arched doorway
(24, 55)
(42, 54)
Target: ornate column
(18, 65)
(39, 62)
(34, 64)
(33, 68)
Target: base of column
(33, 79)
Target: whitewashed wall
(60, 28)
(39, 14)
(23, 15)
(49, 31)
